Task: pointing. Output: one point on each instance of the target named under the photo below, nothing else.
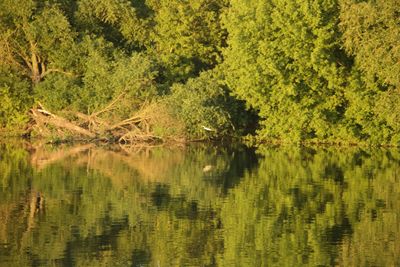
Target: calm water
(198, 206)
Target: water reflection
(198, 206)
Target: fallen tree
(151, 123)
(43, 117)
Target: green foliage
(187, 36)
(116, 20)
(35, 39)
(15, 100)
(80, 57)
(371, 115)
(109, 73)
(105, 73)
(284, 59)
(319, 71)
(371, 32)
(205, 107)
(51, 30)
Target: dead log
(138, 128)
(44, 116)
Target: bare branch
(46, 72)
(108, 107)
(134, 119)
(60, 122)
(19, 50)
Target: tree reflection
(93, 206)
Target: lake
(199, 205)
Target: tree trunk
(36, 76)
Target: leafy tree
(371, 34)
(106, 72)
(206, 108)
(15, 99)
(186, 36)
(284, 59)
(35, 39)
(118, 21)
(315, 71)
(36, 42)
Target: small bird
(207, 128)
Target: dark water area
(198, 206)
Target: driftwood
(138, 128)
(43, 116)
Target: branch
(46, 72)
(19, 50)
(108, 107)
(8, 57)
(132, 120)
(59, 122)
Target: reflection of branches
(139, 159)
(138, 148)
(42, 158)
(142, 162)
(6, 211)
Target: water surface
(198, 206)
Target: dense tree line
(321, 71)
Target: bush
(15, 99)
(103, 74)
(205, 107)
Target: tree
(15, 100)
(117, 21)
(186, 36)
(284, 59)
(371, 33)
(205, 107)
(35, 39)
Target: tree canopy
(315, 71)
